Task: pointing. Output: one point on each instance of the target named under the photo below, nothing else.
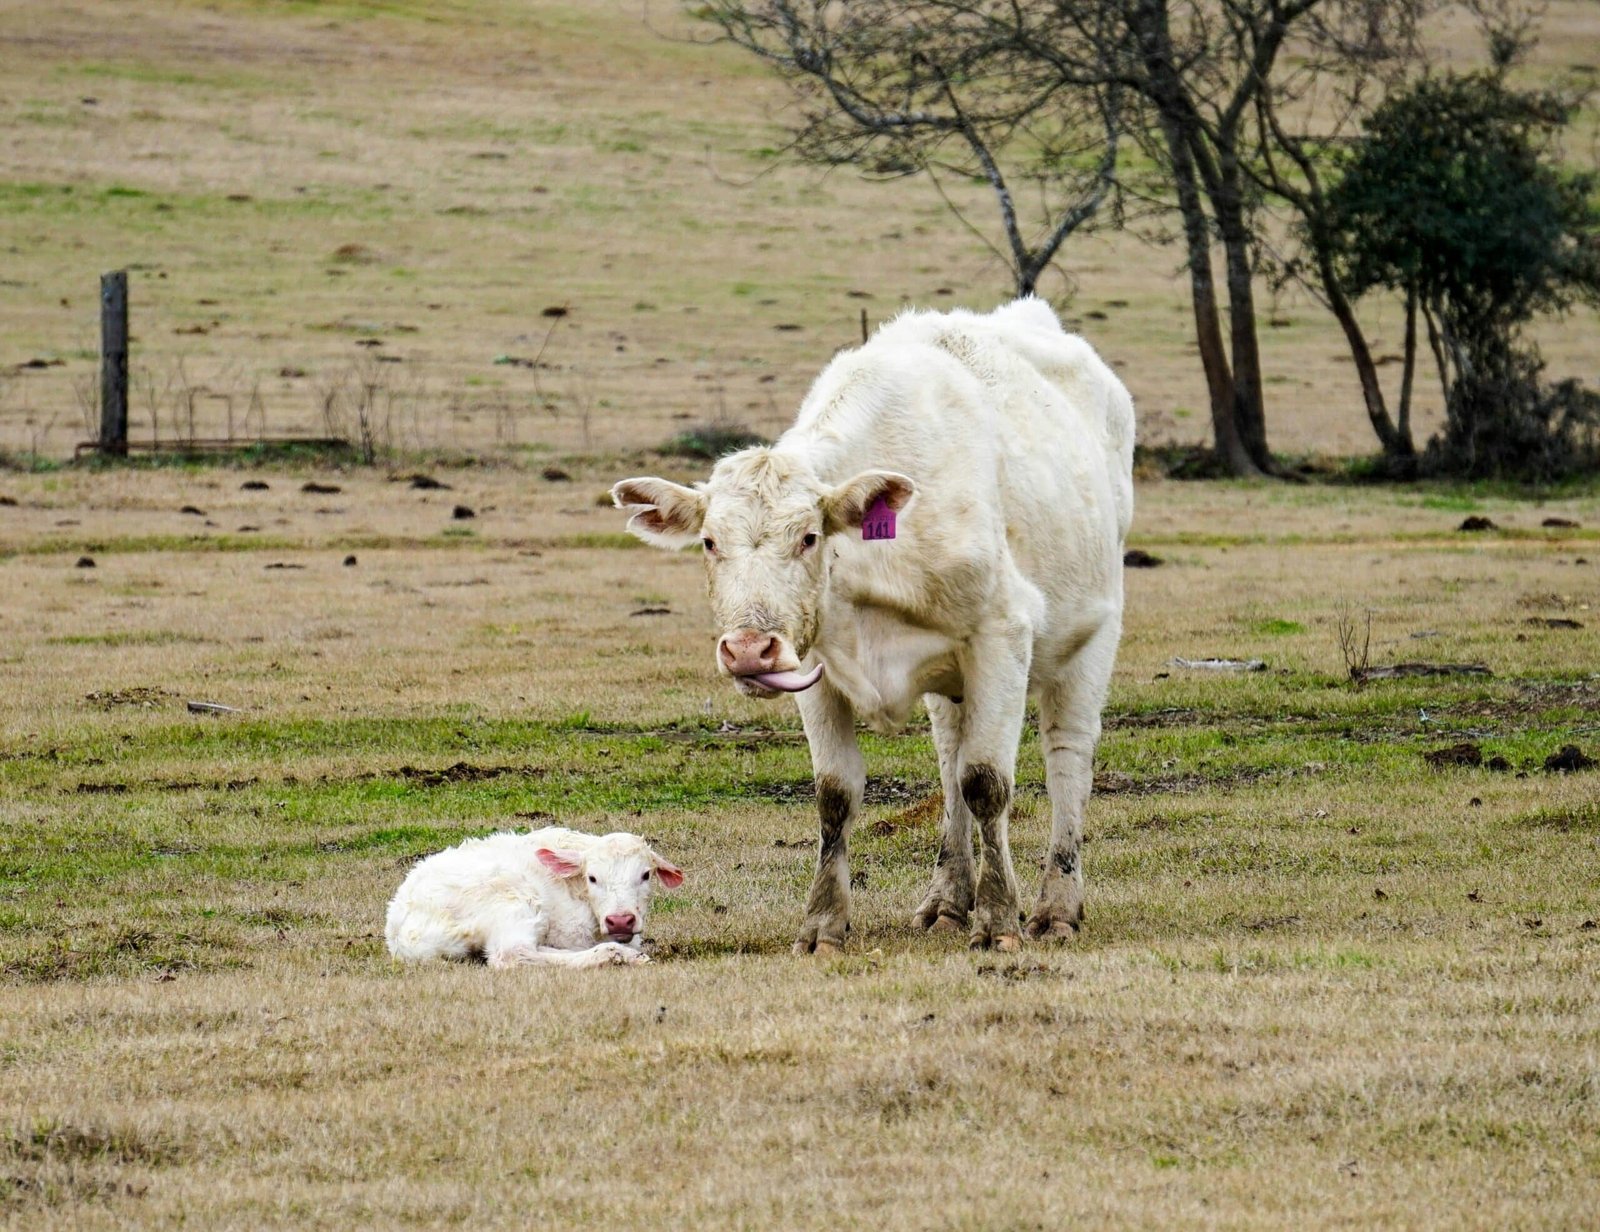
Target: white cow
(550, 897)
(944, 520)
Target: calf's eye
(646, 877)
(592, 881)
(709, 544)
(810, 541)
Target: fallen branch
(1220, 665)
(1399, 671)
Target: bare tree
(946, 88)
(893, 85)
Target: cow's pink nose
(749, 652)
(622, 922)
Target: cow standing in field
(944, 520)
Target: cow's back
(1020, 441)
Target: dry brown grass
(1319, 983)
(290, 180)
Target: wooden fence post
(114, 362)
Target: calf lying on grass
(550, 897)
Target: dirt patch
(1568, 759)
(905, 792)
(1272, 923)
(1115, 783)
(117, 789)
(1533, 698)
(1172, 716)
(461, 772)
(1018, 971)
(1464, 754)
(925, 812)
(1404, 671)
(140, 695)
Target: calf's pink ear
(561, 863)
(671, 875)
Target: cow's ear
(561, 863)
(665, 514)
(846, 506)
(671, 875)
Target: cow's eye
(709, 544)
(592, 881)
(646, 877)
(810, 541)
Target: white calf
(551, 897)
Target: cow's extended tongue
(789, 682)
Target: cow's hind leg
(841, 776)
(996, 679)
(949, 898)
(1069, 729)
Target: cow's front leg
(1069, 729)
(996, 697)
(949, 899)
(841, 776)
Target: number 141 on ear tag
(879, 520)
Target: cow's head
(761, 521)
(613, 875)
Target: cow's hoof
(938, 916)
(1054, 923)
(1046, 929)
(819, 946)
(1005, 943)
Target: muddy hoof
(1006, 943)
(806, 946)
(1052, 925)
(939, 914)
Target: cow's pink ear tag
(879, 520)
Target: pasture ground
(1321, 982)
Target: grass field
(1322, 982)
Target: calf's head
(761, 520)
(614, 875)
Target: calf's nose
(622, 922)
(748, 652)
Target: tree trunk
(1228, 440)
(1408, 372)
(1249, 412)
(1227, 200)
(1395, 439)
(1164, 89)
